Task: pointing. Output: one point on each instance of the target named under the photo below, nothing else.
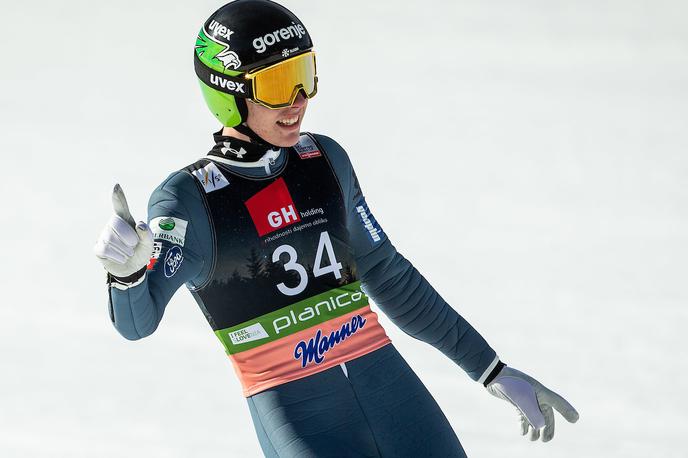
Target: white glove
(124, 247)
(533, 401)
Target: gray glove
(534, 402)
(124, 247)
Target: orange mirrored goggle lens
(277, 86)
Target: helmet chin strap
(243, 128)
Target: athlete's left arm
(397, 287)
(412, 303)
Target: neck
(232, 132)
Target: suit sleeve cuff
(124, 283)
(491, 371)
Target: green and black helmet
(244, 36)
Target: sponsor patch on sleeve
(157, 249)
(211, 178)
(306, 148)
(173, 261)
(368, 221)
(169, 228)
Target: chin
(288, 140)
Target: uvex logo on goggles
(222, 82)
(275, 86)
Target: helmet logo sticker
(208, 43)
(295, 30)
(219, 29)
(286, 52)
(229, 59)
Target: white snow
(528, 157)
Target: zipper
(267, 162)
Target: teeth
(288, 121)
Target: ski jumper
(281, 253)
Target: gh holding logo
(272, 208)
(285, 216)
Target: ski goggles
(275, 86)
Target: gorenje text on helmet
(285, 33)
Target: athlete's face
(280, 127)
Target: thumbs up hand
(124, 247)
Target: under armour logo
(228, 149)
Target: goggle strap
(232, 85)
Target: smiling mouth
(288, 121)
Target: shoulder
(179, 188)
(331, 146)
(334, 152)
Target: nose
(300, 99)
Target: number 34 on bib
(324, 245)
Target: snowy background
(542, 190)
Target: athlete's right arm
(182, 253)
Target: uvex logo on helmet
(295, 30)
(218, 29)
(219, 81)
